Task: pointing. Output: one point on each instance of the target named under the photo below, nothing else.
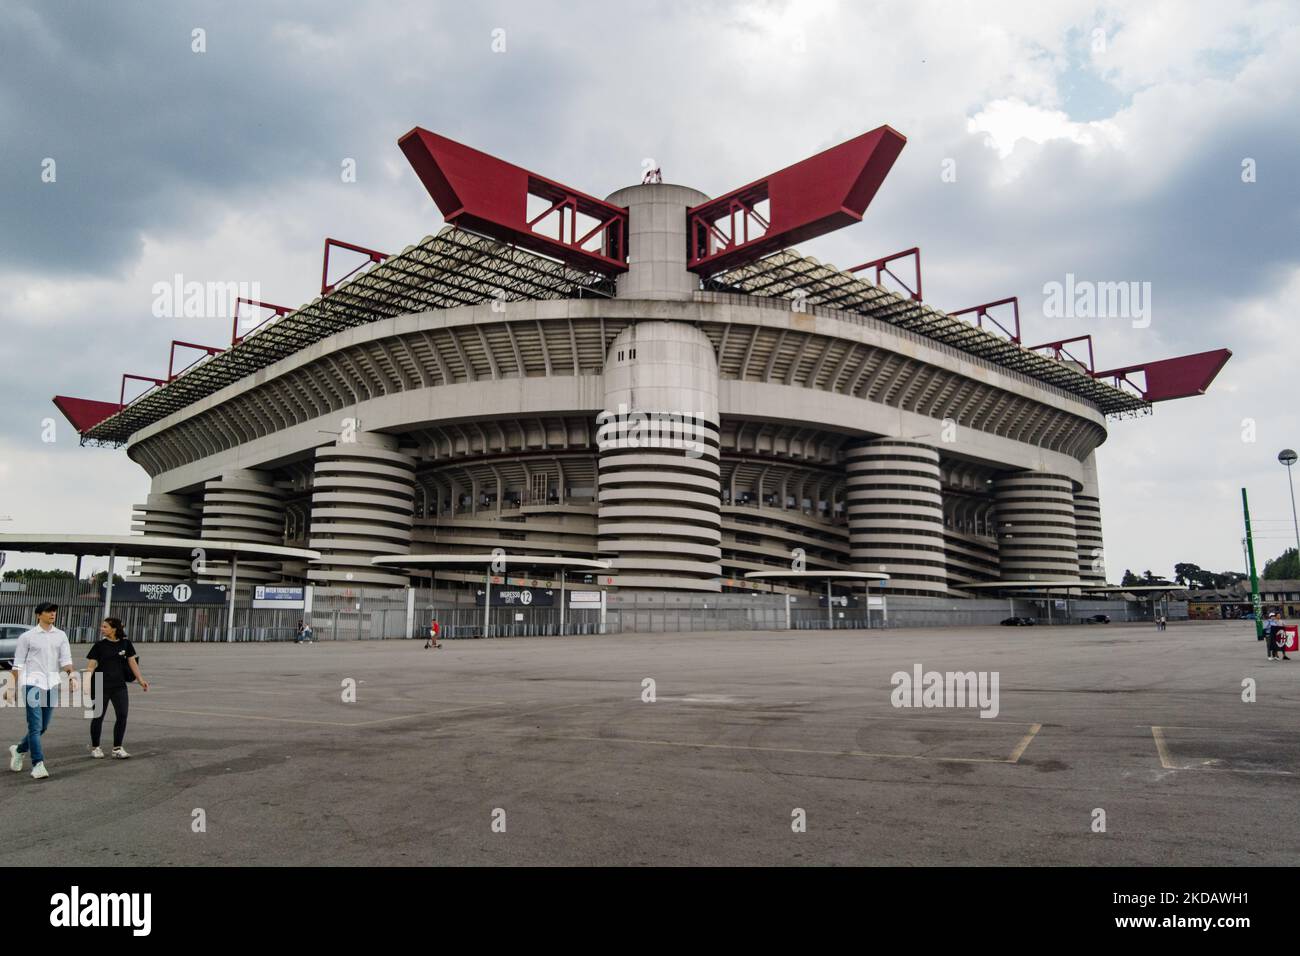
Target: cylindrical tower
(895, 511)
(244, 505)
(1035, 524)
(362, 501)
(172, 516)
(1087, 522)
(656, 267)
(659, 507)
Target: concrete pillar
(362, 506)
(895, 514)
(1087, 522)
(1035, 525)
(659, 505)
(657, 241)
(244, 505)
(173, 516)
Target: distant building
(1282, 596)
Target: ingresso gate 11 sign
(184, 592)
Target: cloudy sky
(1111, 142)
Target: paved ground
(746, 727)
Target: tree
(1285, 567)
(1188, 574)
(98, 578)
(1228, 578)
(1130, 578)
(36, 574)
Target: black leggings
(119, 698)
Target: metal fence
(349, 614)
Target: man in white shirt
(41, 653)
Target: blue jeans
(40, 705)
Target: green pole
(1254, 578)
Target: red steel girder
(1165, 379)
(811, 198)
(1059, 349)
(490, 196)
(881, 266)
(121, 395)
(326, 287)
(171, 358)
(277, 311)
(85, 413)
(982, 313)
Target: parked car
(9, 634)
(1018, 621)
(1097, 619)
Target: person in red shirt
(433, 636)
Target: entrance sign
(183, 592)
(518, 597)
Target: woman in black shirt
(114, 657)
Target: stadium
(655, 390)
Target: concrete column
(657, 241)
(1087, 522)
(1035, 525)
(244, 505)
(362, 506)
(173, 516)
(895, 514)
(659, 504)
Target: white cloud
(1009, 126)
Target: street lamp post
(1288, 457)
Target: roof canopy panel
(786, 273)
(451, 269)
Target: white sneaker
(120, 754)
(15, 759)
(39, 772)
(97, 753)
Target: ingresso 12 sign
(162, 593)
(510, 596)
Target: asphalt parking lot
(551, 739)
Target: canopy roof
(451, 269)
(782, 274)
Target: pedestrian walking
(118, 664)
(1269, 625)
(41, 653)
(434, 631)
(1280, 639)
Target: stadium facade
(657, 379)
